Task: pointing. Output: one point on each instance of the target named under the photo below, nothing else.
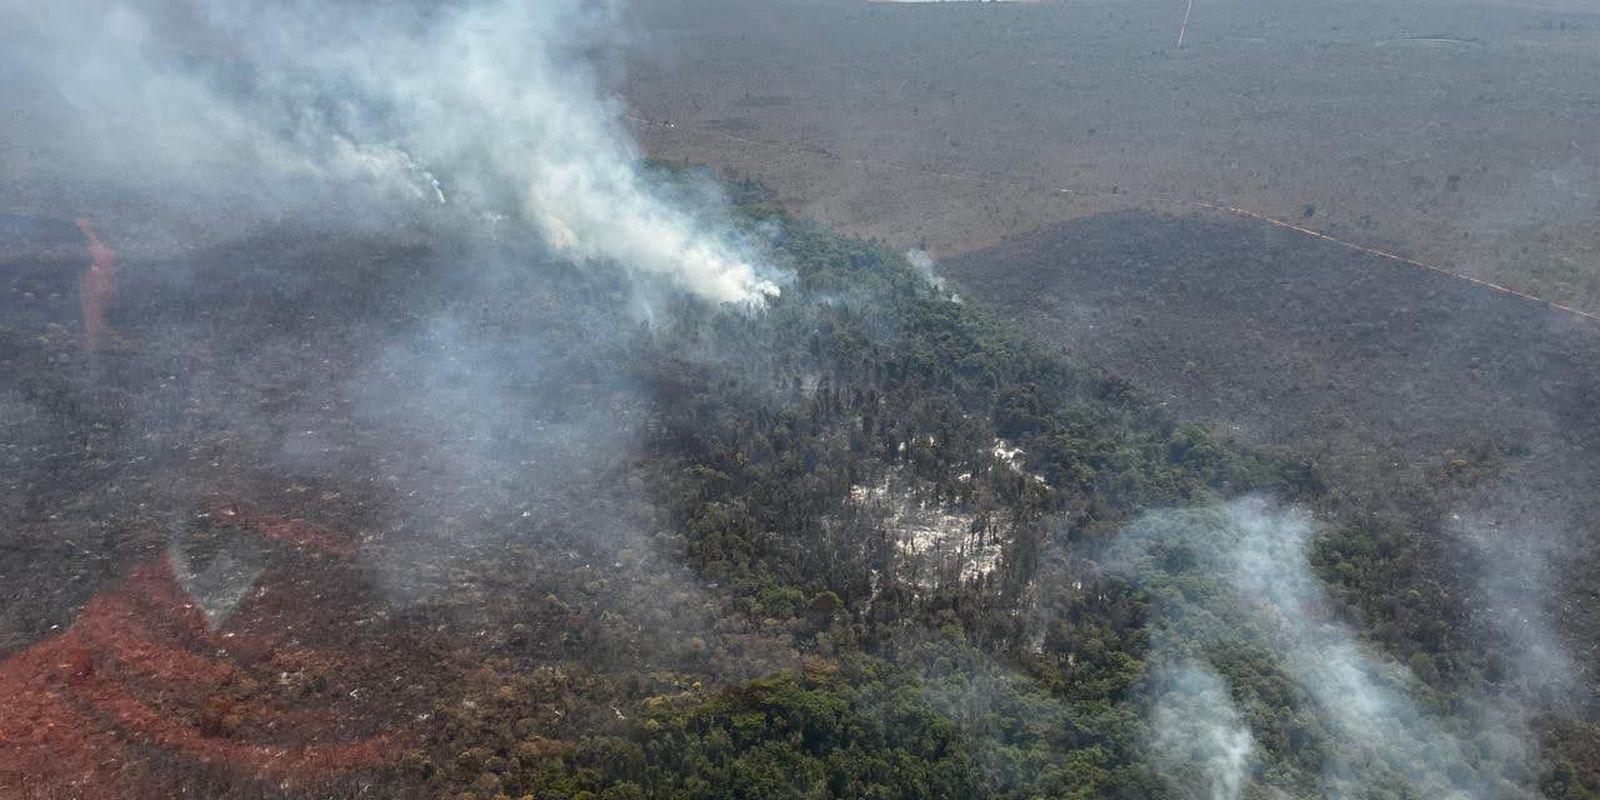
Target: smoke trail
(486, 113)
(1513, 546)
(1363, 698)
(1200, 744)
(1235, 580)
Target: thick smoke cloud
(490, 114)
(1234, 587)
(379, 205)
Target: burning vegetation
(484, 460)
(849, 543)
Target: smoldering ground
(482, 135)
(381, 268)
(465, 416)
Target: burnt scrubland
(375, 421)
(1423, 400)
(1044, 671)
(865, 541)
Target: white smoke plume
(1363, 697)
(1236, 579)
(1514, 547)
(925, 266)
(490, 112)
(1200, 744)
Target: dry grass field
(1463, 133)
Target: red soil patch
(95, 287)
(289, 531)
(266, 695)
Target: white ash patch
(809, 383)
(1014, 458)
(1008, 454)
(933, 539)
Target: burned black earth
(1417, 395)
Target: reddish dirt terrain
(188, 604)
(274, 684)
(95, 287)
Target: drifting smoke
(1200, 744)
(479, 113)
(924, 265)
(1513, 550)
(1235, 580)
